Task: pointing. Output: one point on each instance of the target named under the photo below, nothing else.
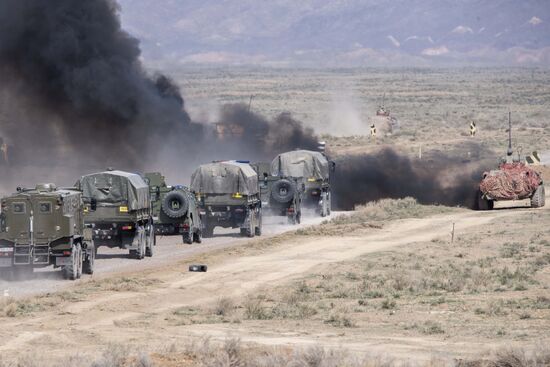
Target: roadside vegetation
(490, 283)
(374, 215)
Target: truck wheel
(324, 205)
(139, 254)
(292, 219)
(150, 238)
(538, 199)
(482, 203)
(187, 237)
(71, 270)
(197, 236)
(283, 191)
(258, 229)
(175, 204)
(89, 263)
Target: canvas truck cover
(301, 163)
(116, 187)
(225, 178)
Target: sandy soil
(143, 315)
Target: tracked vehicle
(45, 226)
(175, 210)
(280, 195)
(118, 208)
(513, 180)
(315, 170)
(229, 197)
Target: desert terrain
(393, 282)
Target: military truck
(314, 168)
(229, 197)
(175, 209)
(280, 195)
(118, 207)
(45, 226)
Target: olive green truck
(45, 226)
(118, 208)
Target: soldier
(373, 131)
(473, 128)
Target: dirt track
(168, 250)
(141, 317)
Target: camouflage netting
(225, 178)
(301, 163)
(512, 181)
(116, 187)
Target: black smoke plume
(256, 138)
(82, 81)
(440, 180)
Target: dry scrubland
(434, 106)
(488, 289)
(480, 300)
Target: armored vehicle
(118, 207)
(229, 197)
(513, 180)
(45, 226)
(314, 168)
(280, 195)
(175, 209)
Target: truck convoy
(315, 169)
(175, 209)
(229, 197)
(118, 208)
(45, 226)
(281, 196)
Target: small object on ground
(198, 268)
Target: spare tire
(283, 191)
(175, 204)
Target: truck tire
(88, 264)
(71, 270)
(283, 191)
(258, 228)
(139, 254)
(482, 203)
(324, 205)
(538, 199)
(177, 199)
(151, 241)
(197, 236)
(188, 237)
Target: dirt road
(168, 250)
(144, 317)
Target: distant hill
(342, 32)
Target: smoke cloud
(76, 98)
(387, 174)
(87, 86)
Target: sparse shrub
(339, 320)
(254, 310)
(431, 327)
(224, 306)
(388, 304)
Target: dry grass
(233, 353)
(373, 216)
